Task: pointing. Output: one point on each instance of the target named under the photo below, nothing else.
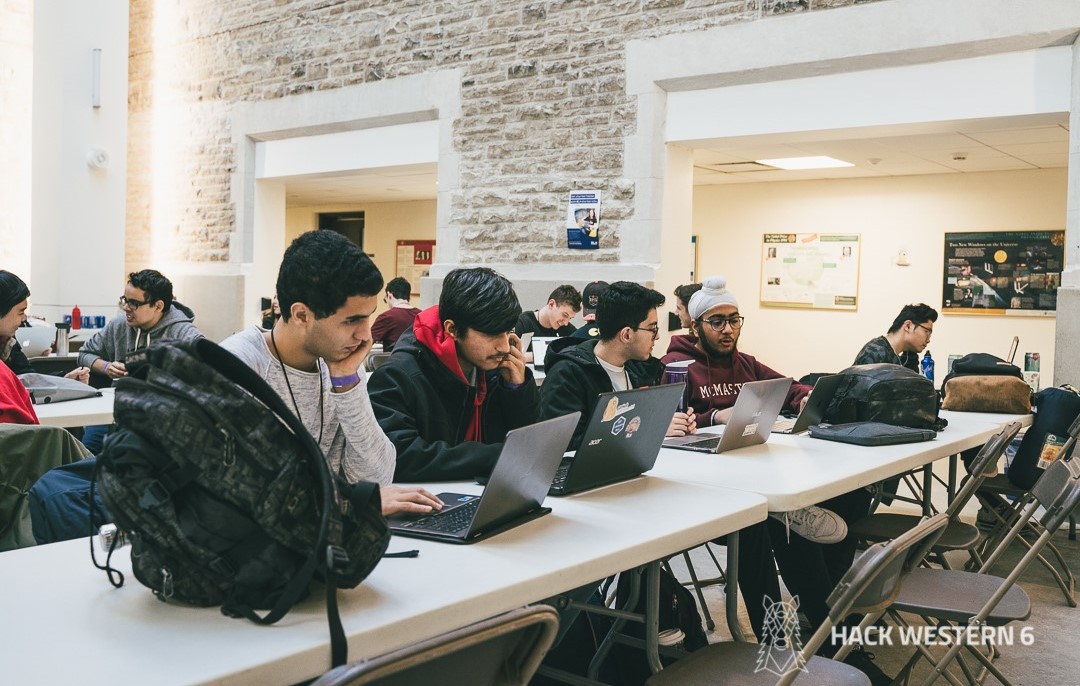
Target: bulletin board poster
(810, 270)
(414, 261)
(583, 220)
(1003, 272)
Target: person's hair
(625, 304)
(480, 299)
(566, 295)
(684, 292)
(323, 269)
(399, 287)
(154, 285)
(13, 291)
(917, 314)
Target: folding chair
(698, 584)
(501, 651)
(948, 598)
(958, 535)
(1006, 502)
(868, 588)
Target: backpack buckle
(154, 495)
(337, 560)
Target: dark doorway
(348, 224)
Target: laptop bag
(46, 389)
(871, 433)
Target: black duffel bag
(885, 393)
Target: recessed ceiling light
(820, 162)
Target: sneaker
(864, 662)
(814, 524)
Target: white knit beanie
(713, 292)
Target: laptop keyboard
(708, 443)
(783, 425)
(447, 522)
(559, 482)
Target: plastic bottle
(76, 317)
(928, 366)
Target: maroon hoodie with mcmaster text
(715, 382)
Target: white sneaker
(814, 524)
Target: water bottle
(928, 366)
(62, 330)
(677, 372)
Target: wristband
(342, 381)
(105, 369)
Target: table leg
(928, 486)
(731, 600)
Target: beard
(713, 351)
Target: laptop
(539, 348)
(622, 439)
(1012, 349)
(526, 341)
(814, 410)
(751, 422)
(514, 494)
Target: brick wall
(544, 108)
(16, 92)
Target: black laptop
(514, 494)
(814, 410)
(751, 422)
(622, 439)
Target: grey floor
(1053, 656)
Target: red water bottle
(76, 318)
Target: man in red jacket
(15, 405)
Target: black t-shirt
(528, 323)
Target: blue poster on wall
(583, 220)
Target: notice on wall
(1003, 272)
(810, 270)
(583, 220)
(414, 261)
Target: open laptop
(751, 422)
(1012, 349)
(526, 341)
(514, 494)
(622, 439)
(814, 410)
(539, 348)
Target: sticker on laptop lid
(613, 409)
(618, 426)
(749, 429)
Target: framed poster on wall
(810, 270)
(1003, 272)
(414, 261)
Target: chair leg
(709, 623)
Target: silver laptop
(539, 349)
(814, 410)
(756, 409)
(514, 494)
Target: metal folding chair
(501, 651)
(868, 588)
(958, 535)
(953, 599)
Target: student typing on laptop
(620, 360)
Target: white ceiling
(1030, 142)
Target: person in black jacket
(14, 299)
(457, 382)
(620, 359)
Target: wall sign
(414, 260)
(583, 220)
(810, 270)
(1003, 272)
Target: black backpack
(885, 393)
(1056, 409)
(226, 497)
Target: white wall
(77, 248)
(914, 212)
(16, 92)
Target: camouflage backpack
(225, 496)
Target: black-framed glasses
(718, 323)
(129, 304)
(655, 330)
(929, 332)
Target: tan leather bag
(1006, 394)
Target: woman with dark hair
(14, 299)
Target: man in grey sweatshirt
(150, 314)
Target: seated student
(14, 299)
(619, 360)
(682, 299)
(15, 404)
(553, 319)
(591, 296)
(391, 324)
(457, 383)
(906, 338)
(328, 289)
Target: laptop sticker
(618, 426)
(750, 429)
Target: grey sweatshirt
(118, 340)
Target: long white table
(61, 604)
(792, 472)
(82, 412)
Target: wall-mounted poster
(810, 270)
(583, 220)
(1003, 272)
(414, 261)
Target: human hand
(407, 499)
(352, 363)
(802, 403)
(683, 424)
(115, 370)
(79, 374)
(512, 368)
(721, 416)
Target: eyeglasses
(129, 304)
(929, 332)
(655, 331)
(718, 324)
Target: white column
(1067, 332)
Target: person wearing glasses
(620, 359)
(906, 338)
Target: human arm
(367, 453)
(796, 395)
(79, 374)
(567, 389)
(17, 361)
(683, 424)
(412, 499)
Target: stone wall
(544, 107)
